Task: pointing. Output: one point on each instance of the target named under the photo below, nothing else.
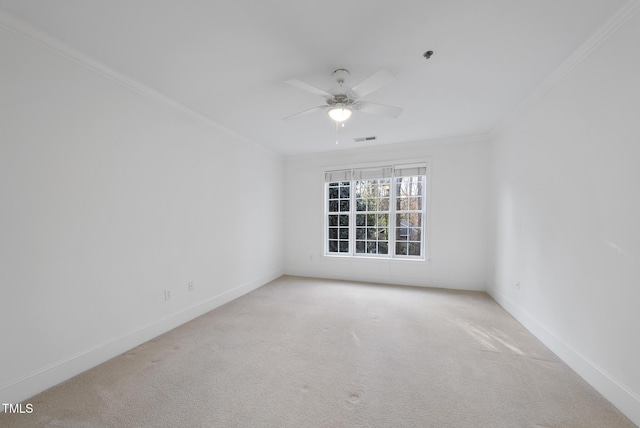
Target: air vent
(361, 139)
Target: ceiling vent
(361, 139)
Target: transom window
(376, 212)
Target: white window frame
(347, 175)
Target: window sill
(388, 259)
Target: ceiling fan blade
(306, 87)
(373, 83)
(302, 113)
(379, 109)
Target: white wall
(108, 198)
(566, 191)
(457, 236)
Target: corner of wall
(33, 383)
(624, 399)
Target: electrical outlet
(518, 285)
(167, 294)
(191, 285)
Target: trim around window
(377, 211)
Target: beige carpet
(317, 353)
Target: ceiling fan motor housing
(345, 99)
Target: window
(376, 212)
(339, 208)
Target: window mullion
(392, 217)
(352, 218)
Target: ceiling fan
(342, 101)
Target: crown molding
(34, 35)
(609, 28)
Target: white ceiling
(228, 60)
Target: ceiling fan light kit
(340, 114)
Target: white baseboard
(359, 277)
(39, 380)
(620, 396)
